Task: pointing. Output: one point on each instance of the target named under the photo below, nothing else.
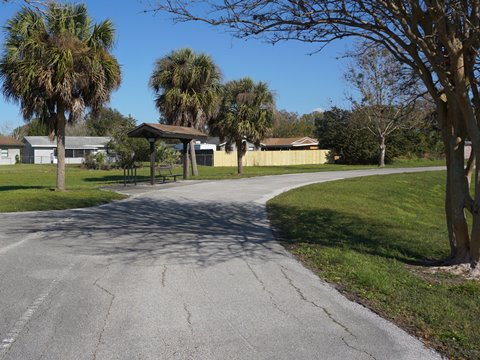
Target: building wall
(10, 159)
(43, 156)
(272, 158)
(46, 156)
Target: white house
(40, 150)
(9, 150)
(212, 144)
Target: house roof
(71, 142)
(289, 142)
(157, 131)
(9, 141)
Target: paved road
(187, 272)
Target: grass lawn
(31, 187)
(370, 237)
(219, 173)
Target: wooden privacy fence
(272, 158)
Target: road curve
(184, 272)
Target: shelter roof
(153, 130)
(9, 141)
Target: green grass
(31, 187)
(373, 237)
(220, 173)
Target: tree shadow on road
(144, 230)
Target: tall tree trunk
(241, 150)
(381, 161)
(193, 158)
(470, 122)
(457, 183)
(475, 239)
(470, 127)
(60, 133)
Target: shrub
(95, 162)
(89, 162)
(166, 155)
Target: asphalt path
(189, 271)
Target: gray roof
(71, 142)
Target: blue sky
(300, 81)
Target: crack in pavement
(189, 317)
(328, 313)
(304, 298)
(270, 294)
(359, 350)
(164, 275)
(112, 298)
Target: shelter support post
(185, 158)
(152, 160)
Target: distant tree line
(339, 130)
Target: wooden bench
(165, 172)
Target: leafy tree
(166, 155)
(246, 113)
(55, 63)
(335, 130)
(289, 124)
(106, 120)
(387, 95)
(187, 87)
(35, 127)
(127, 150)
(439, 42)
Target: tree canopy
(388, 94)
(105, 121)
(246, 114)
(187, 88)
(55, 63)
(290, 124)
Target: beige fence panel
(272, 158)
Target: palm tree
(56, 63)
(187, 87)
(246, 114)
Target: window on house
(74, 153)
(4, 153)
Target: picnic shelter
(154, 131)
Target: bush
(166, 155)
(89, 162)
(100, 158)
(95, 162)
